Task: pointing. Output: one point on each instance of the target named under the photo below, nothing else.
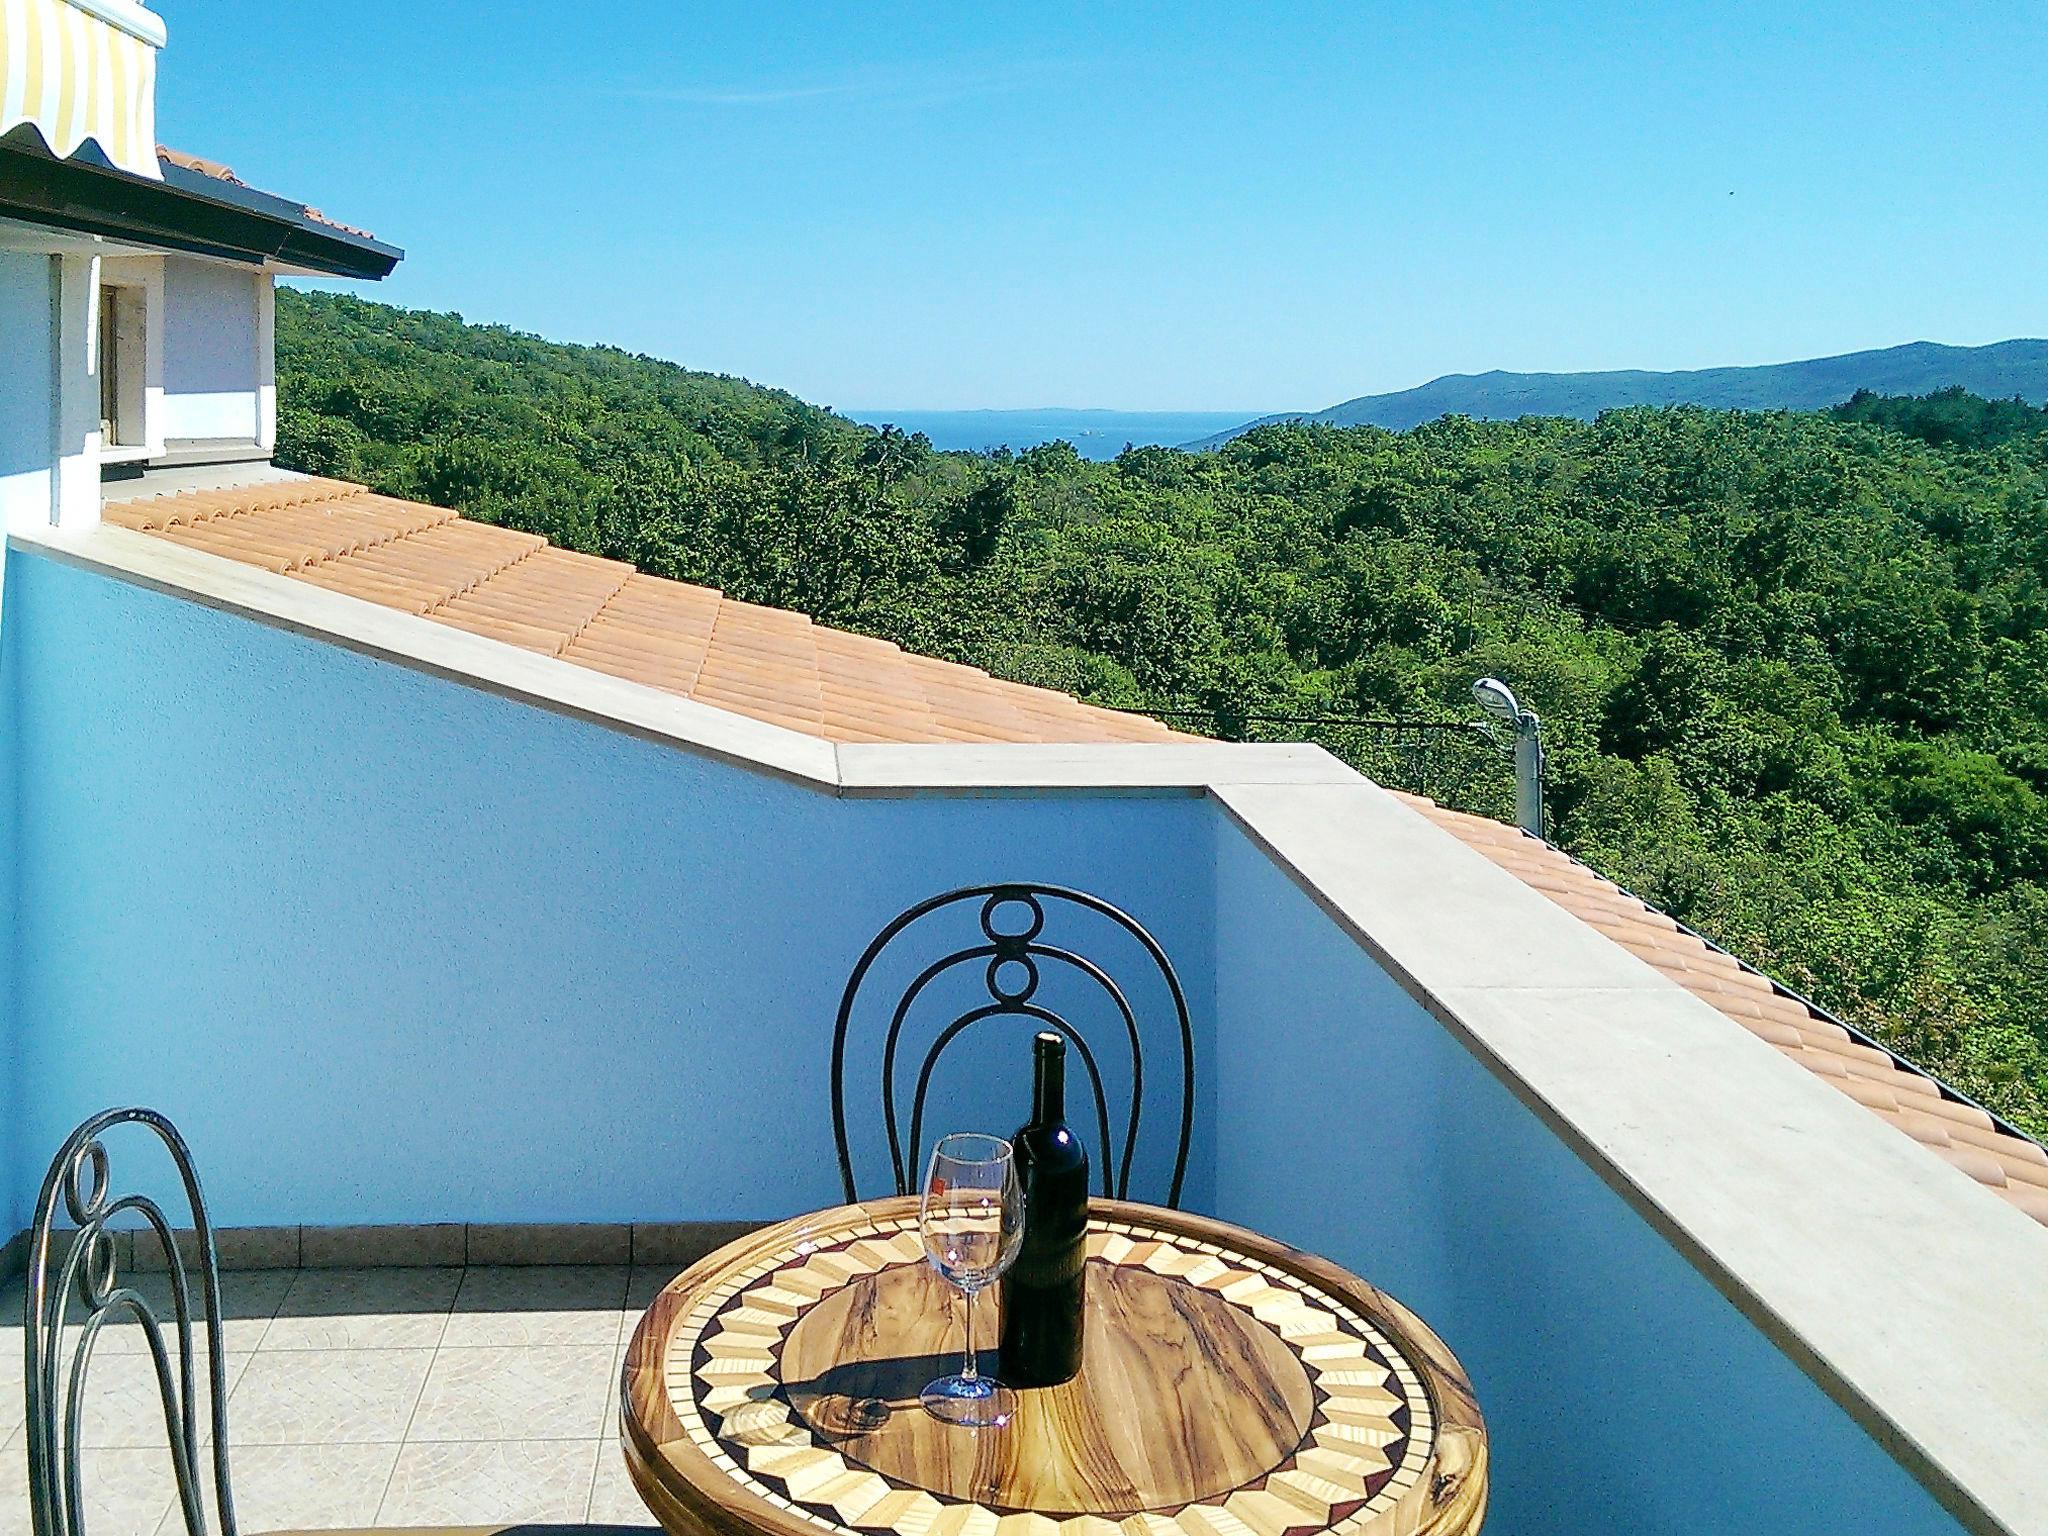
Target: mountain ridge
(1997, 370)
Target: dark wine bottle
(1043, 1290)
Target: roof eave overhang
(186, 211)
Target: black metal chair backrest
(80, 1183)
(1013, 916)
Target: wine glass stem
(967, 1370)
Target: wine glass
(972, 1222)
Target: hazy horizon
(863, 411)
(1096, 432)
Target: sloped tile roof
(768, 663)
(780, 667)
(2012, 1165)
(185, 161)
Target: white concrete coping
(888, 769)
(1916, 1298)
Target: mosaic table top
(1230, 1386)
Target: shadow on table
(858, 1397)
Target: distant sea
(1094, 434)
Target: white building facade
(136, 299)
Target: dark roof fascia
(186, 211)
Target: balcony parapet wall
(1417, 982)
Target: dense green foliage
(1793, 668)
(1948, 418)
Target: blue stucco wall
(26, 358)
(14, 1207)
(393, 949)
(1623, 1393)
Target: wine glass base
(974, 1402)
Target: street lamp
(1498, 700)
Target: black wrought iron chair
(79, 1184)
(1012, 920)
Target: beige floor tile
(460, 1483)
(124, 1405)
(641, 1289)
(363, 1309)
(613, 1498)
(13, 1397)
(116, 1368)
(248, 1300)
(611, 1411)
(123, 1402)
(11, 1293)
(13, 1484)
(299, 1488)
(126, 1492)
(327, 1397)
(646, 1283)
(536, 1304)
(530, 1393)
(503, 1423)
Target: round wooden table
(1230, 1386)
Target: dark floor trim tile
(14, 1253)
(550, 1243)
(683, 1243)
(237, 1247)
(394, 1247)
(676, 1243)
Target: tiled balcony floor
(371, 1397)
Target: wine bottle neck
(1049, 1088)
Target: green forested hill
(1793, 667)
(2001, 370)
(488, 419)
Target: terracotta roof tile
(191, 162)
(2033, 1201)
(552, 594)
(766, 663)
(1960, 1133)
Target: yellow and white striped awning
(82, 70)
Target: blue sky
(1197, 206)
